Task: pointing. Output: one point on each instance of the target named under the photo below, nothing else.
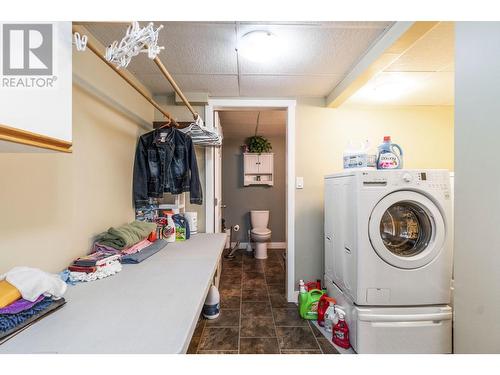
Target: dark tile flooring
(255, 316)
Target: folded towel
(32, 282)
(10, 321)
(137, 247)
(20, 305)
(26, 318)
(108, 270)
(127, 235)
(8, 294)
(144, 253)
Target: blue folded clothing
(144, 253)
(10, 321)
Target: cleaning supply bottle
(388, 157)
(340, 335)
(302, 293)
(211, 308)
(330, 315)
(308, 308)
(310, 285)
(169, 229)
(323, 304)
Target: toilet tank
(259, 219)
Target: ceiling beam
(390, 46)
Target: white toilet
(260, 233)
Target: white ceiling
(202, 57)
(423, 75)
(242, 124)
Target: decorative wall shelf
(258, 169)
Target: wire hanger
(202, 135)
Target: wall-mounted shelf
(258, 169)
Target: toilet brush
(236, 246)
(249, 244)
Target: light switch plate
(299, 183)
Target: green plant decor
(258, 144)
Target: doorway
(213, 167)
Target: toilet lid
(261, 231)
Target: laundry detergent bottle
(308, 306)
(390, 155)
(322, 306)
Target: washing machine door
(407, 229)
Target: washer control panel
(429, 179)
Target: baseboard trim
(295, 296)
(270, 245)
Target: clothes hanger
(169, 124)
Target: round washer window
(406, 229)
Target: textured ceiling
(242, 124)
(202, 56)
(423, 75)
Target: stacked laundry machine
(388, 258)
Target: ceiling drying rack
(145, 40)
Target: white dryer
(388, 236)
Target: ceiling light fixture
(259, 46)
(387, 88)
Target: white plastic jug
(211, 309)
(358, 156)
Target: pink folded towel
(137, 247)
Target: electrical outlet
(299, 183)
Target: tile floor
(255, 316)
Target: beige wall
(424, 133)
(54, 203)
(241, 199)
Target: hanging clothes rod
(121, 73)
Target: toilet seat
(261, 231)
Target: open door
(217, 179)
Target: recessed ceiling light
(259, 46)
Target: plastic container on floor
(323, 304)
(308, 303)
(211, 309)
(341, 333)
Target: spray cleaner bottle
(330, 315)
(169, 230)
(340, 335)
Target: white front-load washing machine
(388, 236)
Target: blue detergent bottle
(388, 157)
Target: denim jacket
(165, 161)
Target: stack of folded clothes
(131, 242)
(125, 236)
(26, 295)
(113, 246)
(97, 265)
